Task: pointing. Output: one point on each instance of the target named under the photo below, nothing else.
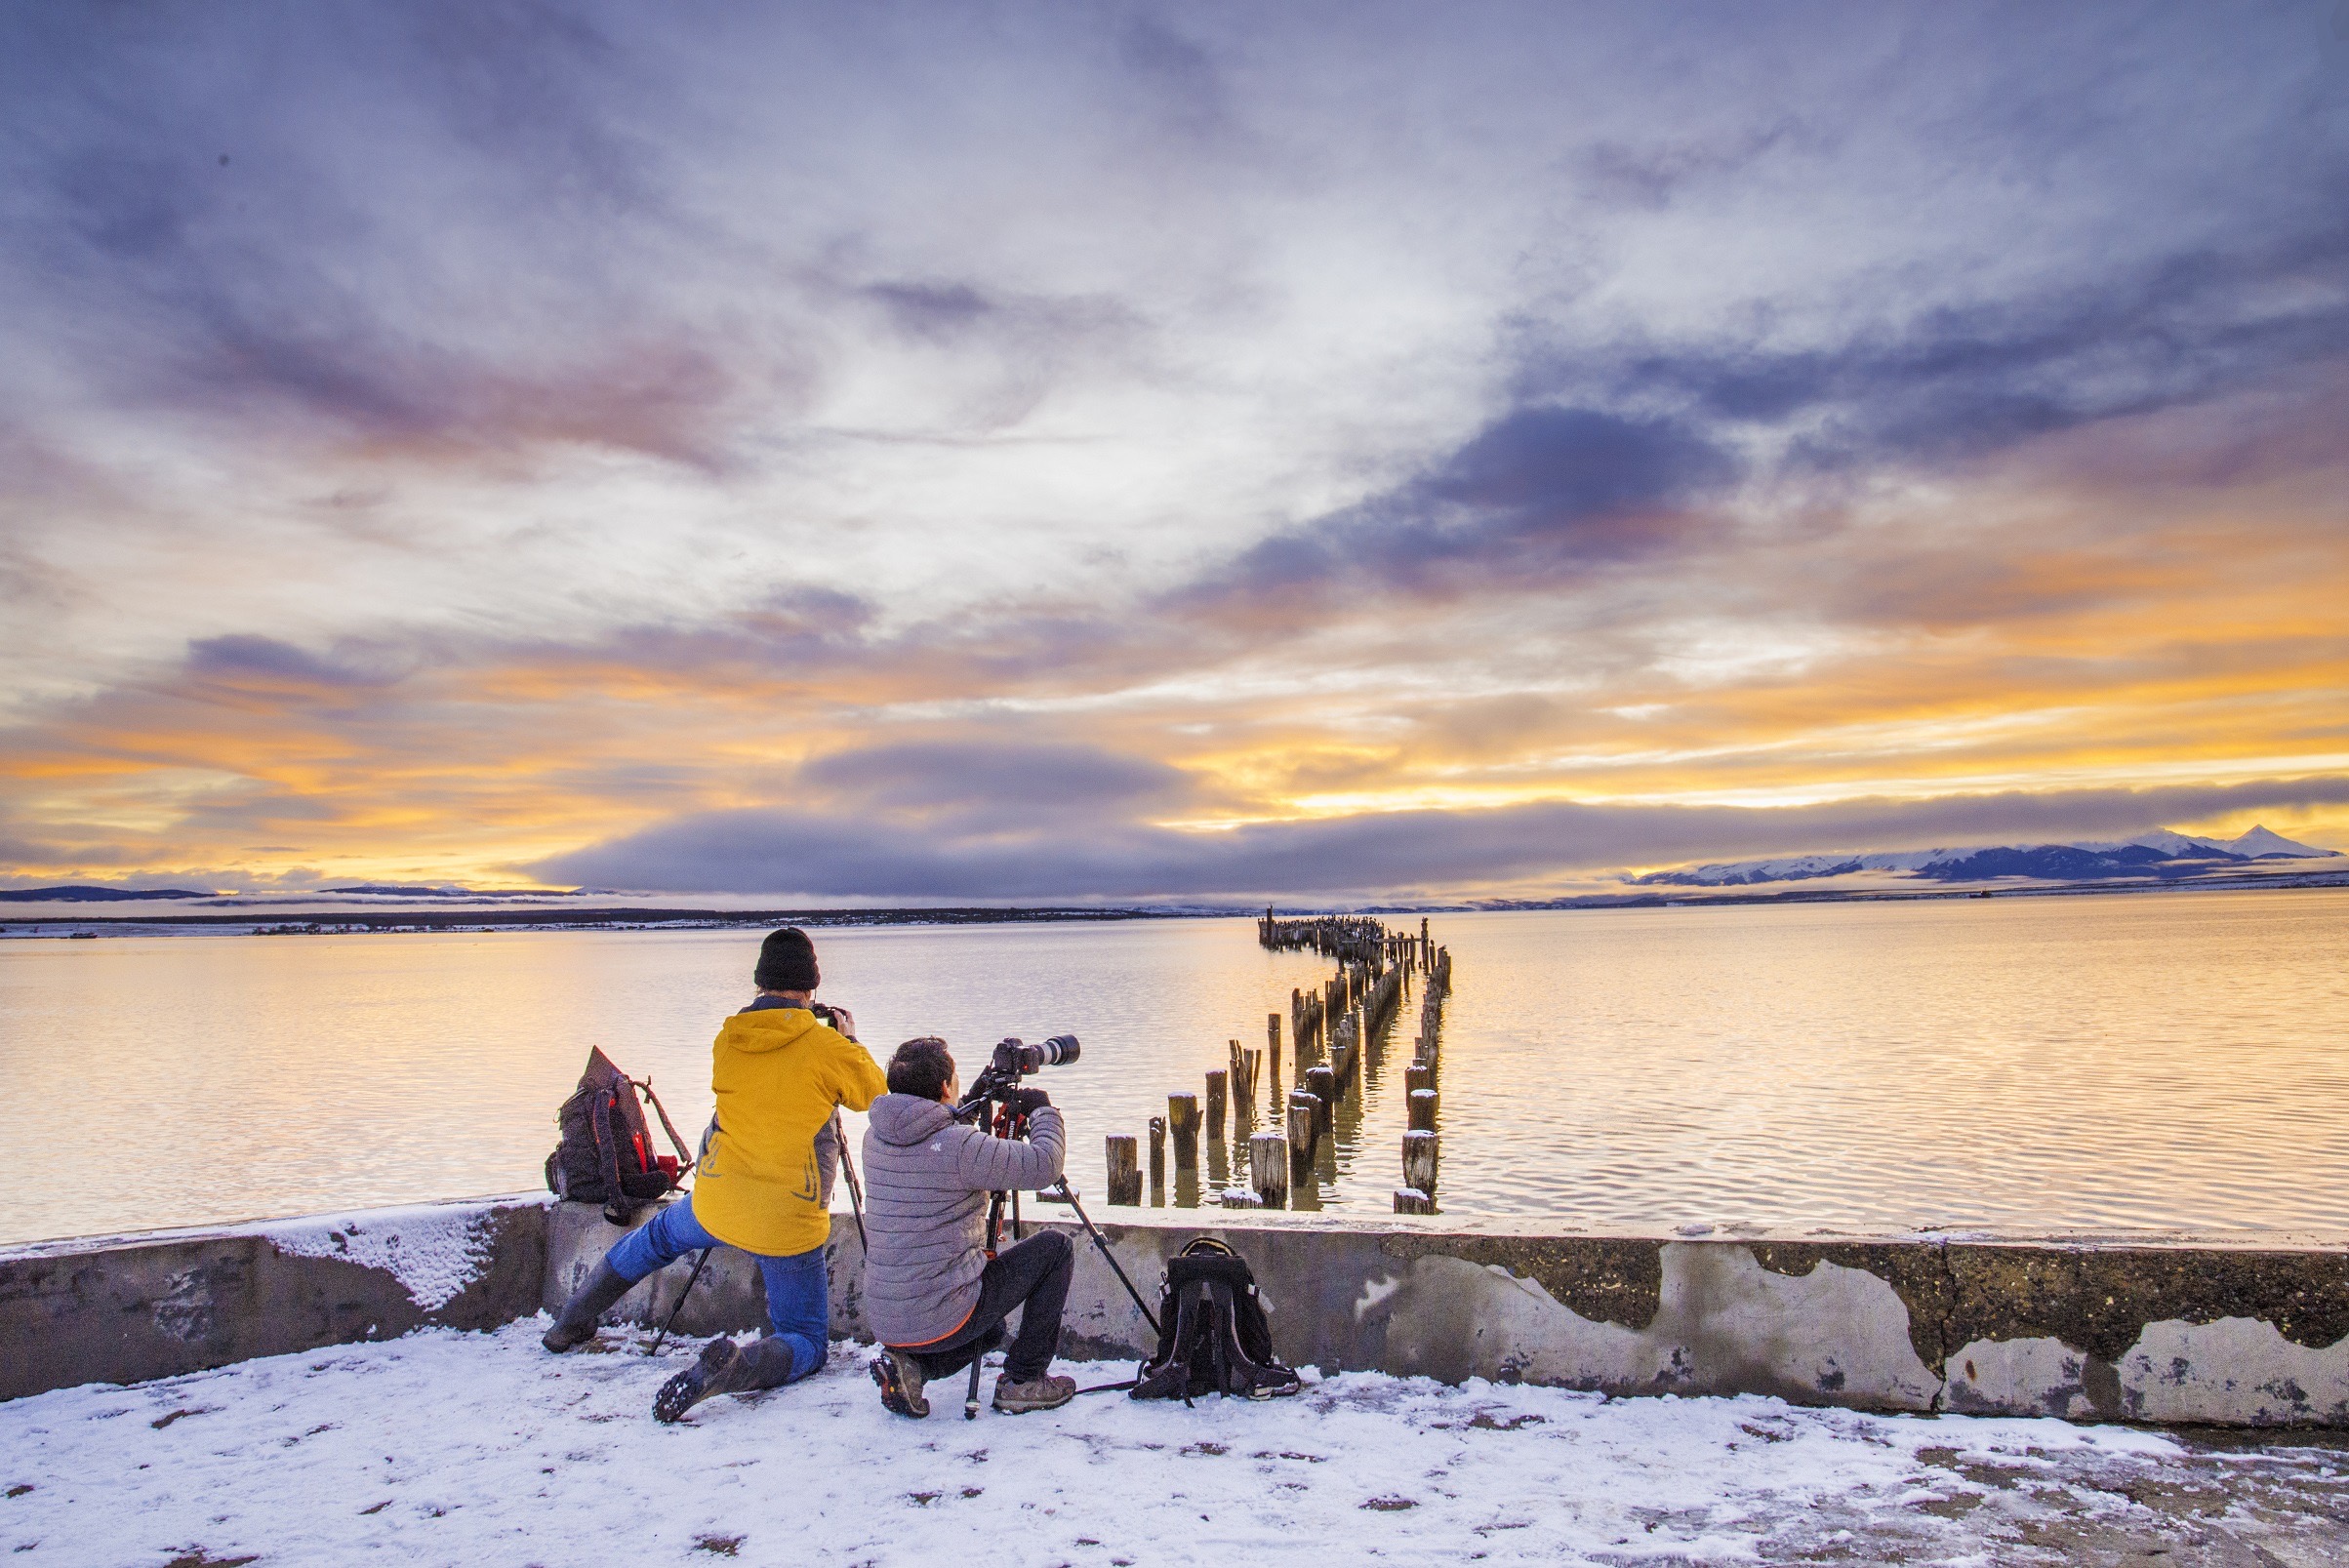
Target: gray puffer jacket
(926, 1181)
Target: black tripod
(1003, 1114)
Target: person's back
(932, 1296)
(762, 1184)
(779, 1074)
(927, 1178)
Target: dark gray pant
(1033, 1273)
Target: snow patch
(433, 1250)
(480, 1448)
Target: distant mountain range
(84, 893)
(2161, 855)
(92, 894)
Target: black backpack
(605, 1155)
(1212, 1333)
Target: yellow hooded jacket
(778, 1073)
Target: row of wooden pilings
(1422, 1147)
(1334, 1032)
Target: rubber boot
(726, 1367)
(577, 1324)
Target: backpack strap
(685, 1161)
(1219, 1329)
(1169, 1375)
(607, 1155)
(1186, 1336)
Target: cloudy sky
(1060, 450)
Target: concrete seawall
(2226, 1334)
(126, 1308)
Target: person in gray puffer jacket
(933, 1297)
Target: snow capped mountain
(2163, 839)
(2259, 844)
(2256, 844)
(2161, 855)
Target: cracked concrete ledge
(156, 1304)
(2221, 1332)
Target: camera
(998, 1085)
(1017, 1056)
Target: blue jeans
(799, 1291)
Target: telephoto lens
(1017, 1055)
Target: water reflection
(2045, 1065)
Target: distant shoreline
(642, 917)
(364, 922)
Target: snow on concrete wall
(126, 1308)
(2237, 1335)
(433, 1250)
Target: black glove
(1026, 1101)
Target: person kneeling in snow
(763, 1183)
(932, 1296)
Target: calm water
(2078, 1064)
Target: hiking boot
(900, 1379)
(725, 1367)
(588, 1303)
(1046, 1392)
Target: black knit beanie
(787, 962)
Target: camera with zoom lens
(1016, 1057)
(999, 1083)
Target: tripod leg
(856, 1188)
(970, 1400)
(680, 1307)
(1086, 1219)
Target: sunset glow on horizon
(967, 454)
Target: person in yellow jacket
(763, 1183)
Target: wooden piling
(1423, 1110)
(1125, 1172)
(1183, 1125)
(1217, 1098)
(1305, 1125)
(1157, 1162)
(1410, 1200)
(1417, 1076)
(1233, 1197)
(1420, 1155)
(1272, 1059)
(1323, 1083)
(1269, 1169)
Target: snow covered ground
(479, 1448)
